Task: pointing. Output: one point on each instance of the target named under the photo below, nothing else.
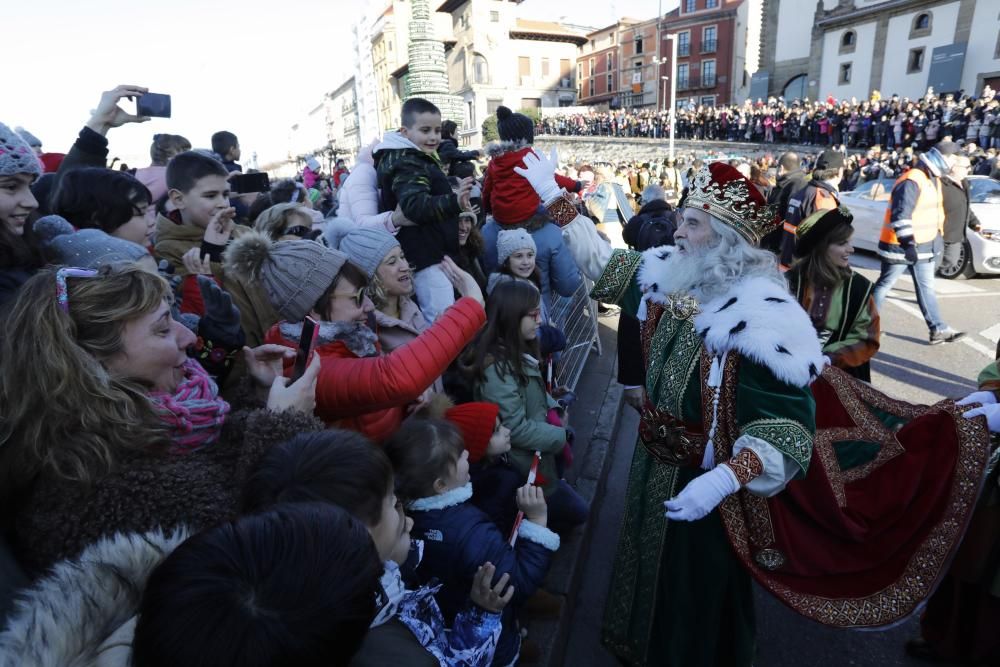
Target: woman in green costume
(838, 299)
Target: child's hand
(195, 264)
(464, 191)
(220, 226)
(399, 219)
(491, 599)
(531, 501)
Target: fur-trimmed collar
(82, 612)
(442, 501)
(498, 148)
(765, 323)
(756, 317)
(356, 336)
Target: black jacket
(787, 185)
(958, 215)
(449, 154)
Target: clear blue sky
(254, 67)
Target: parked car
(981, 253)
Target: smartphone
(153, 104)
(241, 183)
(309, 331)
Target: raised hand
(108, 114)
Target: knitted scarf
(194, 412)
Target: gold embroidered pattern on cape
(854, 396)
(617, 276)
(920, 575)
(789, 437)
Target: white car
(981, 253)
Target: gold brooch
(682, 306)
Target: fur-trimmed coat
(56, 519)
(82, 614)
(507, 194)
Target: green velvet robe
(679, 597)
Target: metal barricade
(576, 315)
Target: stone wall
(615, 149)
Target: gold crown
(731, 203)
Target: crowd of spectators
(894, 122)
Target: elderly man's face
(694, 233)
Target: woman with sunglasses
(286, 222)
(109, 426)
(359, 386)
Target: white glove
(540, 173)
(981, 397)
(992, 414)
(702, 494)
(827, 361)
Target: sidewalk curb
(567, 567)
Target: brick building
(717, 48)
(617, 66)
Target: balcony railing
(694, 81)
(710, 46)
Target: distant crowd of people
(894, 122)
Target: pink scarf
(194, 412)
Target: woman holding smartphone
(359, 386)
(110, 427)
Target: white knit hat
(510, 241)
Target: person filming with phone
(359, 387)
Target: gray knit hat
(366, 247)
(294, 274)
(87, 248)
(510, 241)
(28, 137)
(16, 156)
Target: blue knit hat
(365, 247)
(16, 156)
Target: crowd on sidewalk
(891, 122)
(314, 422)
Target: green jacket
(523, 409)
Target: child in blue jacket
(432, 476)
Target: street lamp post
(673, 90)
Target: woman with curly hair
(110, 427)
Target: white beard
(688, 272)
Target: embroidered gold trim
(562, 210)
(746, 465)
(787, 436)
(617, 276)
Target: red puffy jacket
(370, 394)
(508, 195)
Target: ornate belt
(668, 440)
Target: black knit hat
(514, 126)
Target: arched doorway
(796, 89)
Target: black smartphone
(241, 183)
(153, 104)
(306, 340)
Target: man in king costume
(730, 426)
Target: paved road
(906, 367)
